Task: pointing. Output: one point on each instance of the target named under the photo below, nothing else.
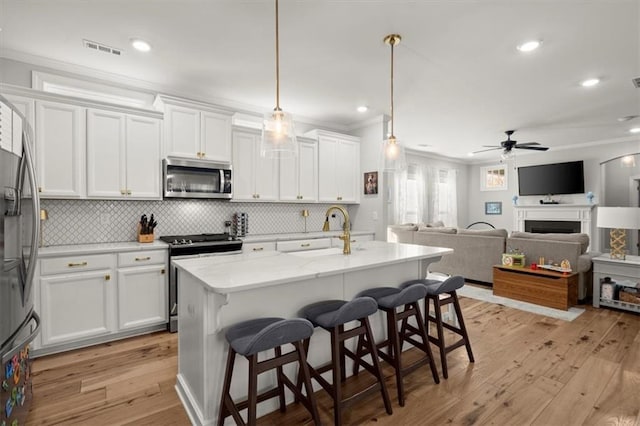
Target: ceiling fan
(509, 144)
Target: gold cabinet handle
(107, 277)
(162, 271)
(75, 265)
(122, 192)
(258, 248)
(39, 189)
(128, 192)
(353, 241)
(305, 245)
(204, 154)
(257, 195)
(339, 198)
(142, 259)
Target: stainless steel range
(190, 246)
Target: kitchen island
(216, 292)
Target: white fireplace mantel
(583, 213)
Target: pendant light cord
(277, 62)
(392, 44)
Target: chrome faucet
(346, 228)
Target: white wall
(592, 155)
(371, 213)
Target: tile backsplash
(102, 221)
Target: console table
(617, 270)
(543, 287)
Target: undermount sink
(319, 252)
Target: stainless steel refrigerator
(19, 229)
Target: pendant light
(278, 135)
(392, 156)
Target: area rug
(486, 295)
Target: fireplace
(556, 218)
(552, 226)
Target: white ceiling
(460, 82)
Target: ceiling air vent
(636, 82)
(101, 47)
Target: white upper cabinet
(60, 149)
(123, 155)
(196, 130)
(26, 106)
(338, 167)
(6, 127)
(299, 175)
(254, 178)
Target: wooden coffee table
(543, 287)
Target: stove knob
(183, 241)
(175, 242)
(189, 242)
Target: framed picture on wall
(493, 207)
(493, 178)
(370, 183)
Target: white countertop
(73, 249)
(240, 272)
(299, 236)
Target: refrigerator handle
(20, 345)
(35, 200)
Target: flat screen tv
(551, 179)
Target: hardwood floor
(529, 370)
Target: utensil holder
(145, 238)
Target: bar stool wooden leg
(337, 375)
(440, 340)
(279, 375)
(306, 379)
(224, 410)
(369, 342)
(463, 328)
(252, 399)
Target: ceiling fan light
(529, 46)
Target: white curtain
(442, 197)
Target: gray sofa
(474, 251)
(555, 248)
(477, 251)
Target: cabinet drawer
(301, 245)
(254, 247)
(141, 258)
(75, 263)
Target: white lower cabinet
(95, 298)
(261, 246)
(302, 245)
(76, 306)
(142, 290)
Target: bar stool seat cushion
(392, 297)
(446, 286)
(331, 313)
(261, 334)
(425, 282)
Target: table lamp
(618, 219)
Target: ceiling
(460, 82)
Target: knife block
(145, 238)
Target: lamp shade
(619, 217)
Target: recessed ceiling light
(363, 108)
(634, 130)
(590, 82)
(470, 154)
(140, 45)
(529, 46)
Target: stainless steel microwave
(185, 178)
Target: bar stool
(248, 338)
(443, 293)
(388, 300)
(332, 315)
